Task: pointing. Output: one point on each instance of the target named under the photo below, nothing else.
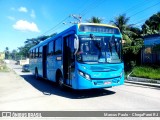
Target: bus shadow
(50, 88)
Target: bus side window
(33, 53)
(50, 49)
(58, 46)
(40, 52)
(30, 54)
(36, 54)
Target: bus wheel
(60, 81)
(36, 74)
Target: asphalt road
(20, 91)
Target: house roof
(151, 36)
(152, 39)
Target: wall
(149, 55)
(2, 56)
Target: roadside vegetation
(150, 72)
(3, 67)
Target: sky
(25, 19)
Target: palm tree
(121, 22)
(95, 20)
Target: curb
(143, 83)
(136, 79)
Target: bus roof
(74, 27)
(98, 24)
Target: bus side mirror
(76, 43)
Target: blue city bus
(84, 56)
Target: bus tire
(36, 74)
(59, 79)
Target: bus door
(68, 59)
(44, 61)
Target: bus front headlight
(85, 75)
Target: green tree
(152, 25)
(35, 41)
(121, 22)
(23, 50)
(7, 54)
(94, 20)
(14, 54)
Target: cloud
(24, 25)
(23, 9)
(11, 18)
(33, 15)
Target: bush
(3, 67)
(151, 72)
(131, 57)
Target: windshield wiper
(97, 44)
(115, 43)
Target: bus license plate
(107, 82)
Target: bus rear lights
(84, 75)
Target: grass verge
(150, 72)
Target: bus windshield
(97, 49)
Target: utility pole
(77, 17)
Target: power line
(96, 5)
(56, 25)
(142, 20)
(91, 5)
(85, 11)
(139, 22)
(63, 21)
(92, 2)
(137, 5)
(60, 23)
(144, 9)
(79, 18)
(135, 24)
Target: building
(2, 55)
(151, 50)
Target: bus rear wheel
(60, 81)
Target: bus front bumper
(82, 83)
